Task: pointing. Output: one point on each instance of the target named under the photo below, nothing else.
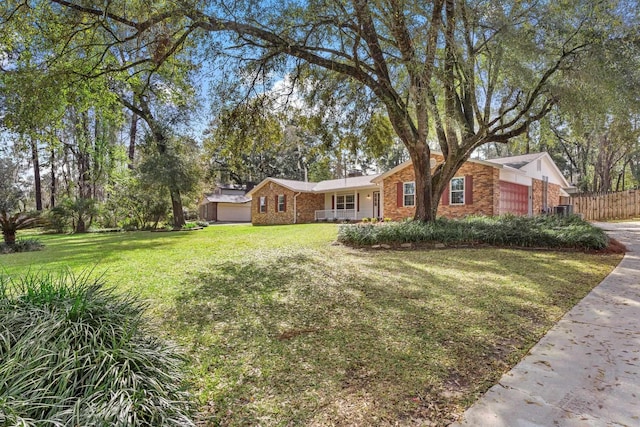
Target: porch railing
(331, 214)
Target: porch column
(335, 203)
(355, 204)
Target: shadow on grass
(90, 248)
(366, 337)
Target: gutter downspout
(295, 207)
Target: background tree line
(98, 99)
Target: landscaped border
(540, 232)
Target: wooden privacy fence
(597, 207)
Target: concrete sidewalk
(586, 370)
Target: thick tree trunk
(426, 207)
(36, 174)
(160, 138)
(176, 199)
(176, 204)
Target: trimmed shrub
(76, 353)
(544, 231)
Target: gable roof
(514, 163)
(225, 198)
(320, 187)
(517, 162)
(345, 183)
(292, 185)
(403, 165)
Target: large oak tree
(452, 73)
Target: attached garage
(514, 198)
(225, 208)
(234, 212)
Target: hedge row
(543, 231)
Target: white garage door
(234, 212)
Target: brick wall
(390, 191)
(486, 193)
(553, 196)
(306, 203)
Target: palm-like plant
(11, 223)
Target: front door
(376, 204)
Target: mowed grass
(283, 328)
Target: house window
(263, 204)
(281, 203)
(457, 191)
(409, 190)
(345, 202)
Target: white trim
(344, 201)
(375, 214)
(312, 187)
(329, 214)
(284, 203)
(464, 187)
(515, 176)
(404, 195)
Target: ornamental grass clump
(21, 245)
(544, 231)
(76, 353)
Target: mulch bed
(614, 247)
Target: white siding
(515, 177)
(547, 169)
(366, 203)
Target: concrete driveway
(586, 370)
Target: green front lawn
(285, 329)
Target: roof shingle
(517, 162)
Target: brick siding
(306, 205)
(553, 196)
(486, 193)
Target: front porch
(350, 206)
(337, 214)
